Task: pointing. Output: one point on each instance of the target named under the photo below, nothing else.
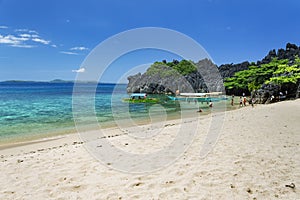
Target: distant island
(54, 81)
(24, 81)
(276, 74)
(60, 81)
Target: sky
(50, 39)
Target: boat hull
(148, 100)
(199, 99)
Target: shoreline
(58, 138)
(56, 135)
(75, 138)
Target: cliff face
(208, 76)
(289, 52)
(204, 79)
(267, 91)
(228, 70)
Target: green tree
(164, 68)
(286, 73)
(277, 72)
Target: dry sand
(257, 156)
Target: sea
(34, 110)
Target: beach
(257, 156)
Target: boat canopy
(193, 94)
(199, 94)
(138, 95)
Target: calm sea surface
(39, 109)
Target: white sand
(256, 156)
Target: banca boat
(199, 97)
(140, 98)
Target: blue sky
(45, 40)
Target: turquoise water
(28, 109)
(35, 109)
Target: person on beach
(232, 100)
(244, 101)
(241, 101)
(200, 110)
(210, 104)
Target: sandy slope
(257, 156)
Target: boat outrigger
(140, 98)
(199, 97)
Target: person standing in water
(241, 101)
(244, 101)
(232, 100)
(210, 104)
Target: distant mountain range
(52, 81)
(24, 81)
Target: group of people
(243, 101)
(210, 104)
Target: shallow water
(35, 109)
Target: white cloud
(41, 40)
(79, 48)
(53, 45)
(21, 40)
(69, 53)
(26, 30)
(33, 31)
(24, 38)
(25, 35)
(80, 70)
(23, 45)
(7, 40)
(3, 27)
(11, 39)
(21, 30)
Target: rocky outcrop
(209, 77)
(156, 85)
(206, 78)
(228, 70)
(269, 93)
(266, 94)
(290, 51)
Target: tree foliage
(277, 72)
(174, 68)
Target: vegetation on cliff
(174, 68)
(278, 72)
